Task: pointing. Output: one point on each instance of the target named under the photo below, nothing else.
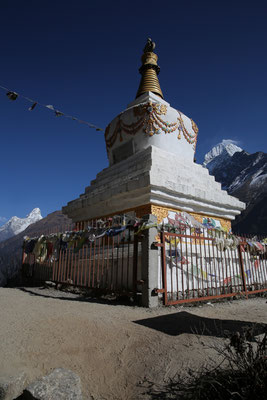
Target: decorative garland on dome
(190, 138)
(152, 123)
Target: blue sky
(83, 58)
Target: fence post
(149, 271)
(241, 263)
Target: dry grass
(240, 375)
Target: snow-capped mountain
(16, 225)
(220, 153)
(244, 176)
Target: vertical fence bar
(213, 277)
(201, 264)
(241, 265)
(72, 263)
(192, 262)
(59, 265)
(232, 270)
(117, 266)
(176, 267)
(128, 261)
(103, 261)
(225, 269)
(90, 263)
(75, 264)
(112, 264)
(259, 266)
(182, 265)
(68, 264)
(165, 283)
(135, 263)
(246, 268)
(219, 264)
(65, 265)
(253, 274)
(262, 265)
(54, 268)
(108, 280)
(197, 269)
(206, 268)
(122, 259)
(78, 274)
(187, 271)
(85, 264)
(98, 261)
(93, 277)
(171, 265)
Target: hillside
(244, 176)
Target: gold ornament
(149, 118)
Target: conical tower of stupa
(149, 71)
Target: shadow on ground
(68, 295)
(184, 322)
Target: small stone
(210, 304)
(12, 386)
(50, 284)
(61, 384)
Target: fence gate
(199, 267)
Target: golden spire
(149, 71)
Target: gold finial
(149, 71)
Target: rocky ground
(114, 348)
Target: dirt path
(113, 348)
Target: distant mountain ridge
(11, 249)
(16, 225)
(244, 176)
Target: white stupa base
(153, 176)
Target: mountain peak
(227, 148)
(35, 212)
(16, 225)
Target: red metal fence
(209, 265)
(194, 264)
(107, 263)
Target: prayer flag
(58, 113)
(50, 107)
(248, 273)
(227, 280)
(12, 95)
(32, 107)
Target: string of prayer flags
(14, 95)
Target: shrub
(241, 376)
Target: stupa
(151, 148)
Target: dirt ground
(113, 348)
